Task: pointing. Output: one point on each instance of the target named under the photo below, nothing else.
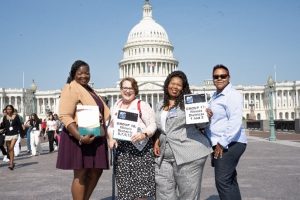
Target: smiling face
(127, 92)
(221, 79)
(82, 75)
(175, 87)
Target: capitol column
(152, 102)
(297, 103)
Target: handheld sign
(126, 124)
(195, 108)
(88, 118)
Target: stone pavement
(267, 170)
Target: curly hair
(76, 65)
(185, 89)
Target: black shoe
(11, 167)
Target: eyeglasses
(222, 76)
(127, 88)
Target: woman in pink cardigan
(86, 155)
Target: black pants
(51, 140)
(225, 172)
(4, 152)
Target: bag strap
(140, 110)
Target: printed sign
(195, 108)
(126, 124)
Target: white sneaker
(5, 159)
(55, 148)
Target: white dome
(147, 30)
(148, 53)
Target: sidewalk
(267, 170)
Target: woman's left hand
(138, 137)
(209, 113)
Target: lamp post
(33, 88)
(271, 85)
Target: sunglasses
(222, 76)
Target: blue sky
(42, 38)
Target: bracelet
(80, 140)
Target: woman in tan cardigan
(86, 155)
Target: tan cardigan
(71, 95)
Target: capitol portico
(148, 57)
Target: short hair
(75, 66)
(220, 66)
(133, 84)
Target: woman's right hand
(88, 139)
(156, 147)
(112, 143)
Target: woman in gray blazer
(181, 149)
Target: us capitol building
(148, 57)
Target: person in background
(12, 124)
(134, 159)
(226, 133)
(181, 148)
(3, 150)
(17, 148)
(35, 144)
(59, 126)
(43, 126)
(51, 130)
(86, 155)
(28, 130)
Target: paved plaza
(267, 170)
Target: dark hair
(11, 106)
(51, 115)
(220, 66)
(133, 84)
(185, 89)
(76, 65)
(35, 117)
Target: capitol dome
(147, 29)
(148, 53)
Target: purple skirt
(71, 155)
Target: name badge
(11, 128)
(34, 129)
(173, 113)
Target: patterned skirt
(135, 171)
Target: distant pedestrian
(17, 148)
(51, 131)
(2, 140)
(12, 125)
(226, 133)
(28, 129)
(35, 123)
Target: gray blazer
(186, 141)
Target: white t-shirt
(51, 125)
